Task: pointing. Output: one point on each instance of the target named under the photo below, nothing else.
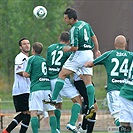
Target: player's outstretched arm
(96, 48)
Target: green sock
(34, 124)
(58, 115)
(90, 93)
(117, 123)
(74, 113)
(58, 86)
(53, 124)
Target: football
(40, 12)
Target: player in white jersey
(20, 90)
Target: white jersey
(21, 84)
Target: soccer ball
(40, 12)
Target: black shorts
(80, 86)
(21, 102)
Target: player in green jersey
(40, 88)
(116, 63)
(126, 106)
(82, 40)
(55, 60)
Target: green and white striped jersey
(127, 89)
(117, 64)
(80, 35)
(55, 59)
(37, 69)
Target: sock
(53, 124)
(15, 122)
(58, 86)
(117, 123)
(25, 123)
(34, 124)
(58, 115)
(90, 93)
(90, 124)
(74, 113)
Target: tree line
(17, 21)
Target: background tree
(17, 21)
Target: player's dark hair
(64, 36)
(37, 46)
(71, 13)
(24, 38)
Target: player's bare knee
(58, 106)
(77, 99)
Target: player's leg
(71, 65)
(80, 86)
(60, 82)
(20, 106)
(58, 105)
(25, 122)
(35, 105)
(16, 120)
(52, 121)
(114, 105)
(34, 121)
(71, 92)
(57, 112)
(26, 118)
(90, 93)
(92, 121)
(125, 115)
(46, 119)
(50, 109)
(75, 110)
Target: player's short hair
(24, 38)
(37, 46)
(71, 13)
(64, 36)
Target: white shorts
(35, 101)
(126, 110)
(68, 90)
(77, 60)
(113, 101)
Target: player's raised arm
(96, 48)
